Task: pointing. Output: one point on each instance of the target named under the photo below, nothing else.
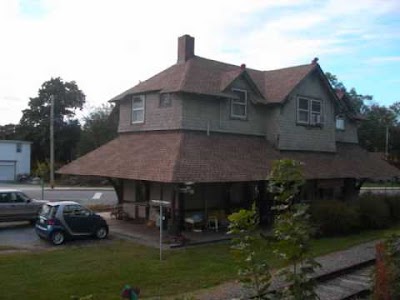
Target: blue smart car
(63, 220)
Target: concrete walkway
(332, 262)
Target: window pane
(242, 96)
(339, 123)
(17, 198)
(137, 102)
(315, 118)
(68, 209)
(303, 103)
(239, 110)
(316, 106)
(138, 116)
(303, 116)
(5, 197)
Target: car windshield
(48, 211)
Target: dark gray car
(16, 206)
(67, 219)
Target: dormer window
(138, 106)
(239, 105)
(339, 122)
(309, 111)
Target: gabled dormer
(307, 118)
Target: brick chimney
(185, 48)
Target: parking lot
(22, 235)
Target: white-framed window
(239, 106)
(309, 111)
(339, 122)
(138, 107)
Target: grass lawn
(102, 271)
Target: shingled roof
(199, 75)
(178, 156)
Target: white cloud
(108, 46)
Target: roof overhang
(178, 156)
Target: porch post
(181, 211)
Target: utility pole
(387, 142)
(52, 141)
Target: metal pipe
(52, 141)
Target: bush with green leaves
(333, 217)
(374, 211)
(394, 207)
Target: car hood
(39, 201)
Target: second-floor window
(138, 106)
(339, 123)
(309, 111)
(239, 106)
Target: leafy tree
(357, 100)
(35, 122)
(292, 230)
(7, 132)
(372, 131)
(100, 126)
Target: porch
(143, 234)
(193, 207)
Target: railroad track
(352, 284)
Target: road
(83, 195)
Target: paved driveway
(22, 235)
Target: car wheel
(57, 238)
(101, 233)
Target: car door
(78, 219)
(5, 206)
(23, 206)
(19, 207)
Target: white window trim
(234, 102)
(143, 98)
(309, 111)
(298, 110)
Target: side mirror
(29, 201)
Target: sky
(109, 46)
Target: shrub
(334, 217)
(374, 210)
(394, 207)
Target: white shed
(15, 159)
